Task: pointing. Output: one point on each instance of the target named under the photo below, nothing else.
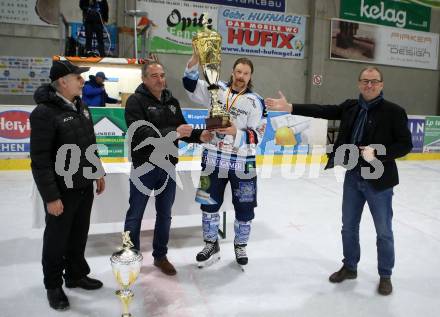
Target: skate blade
(212, 260)
(242, 267)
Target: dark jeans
(65, 238)
(157, 180)
(357, 191)
(97, 28)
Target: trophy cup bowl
(126, 265)
(207, 45)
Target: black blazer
(387, 124)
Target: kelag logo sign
(391, 13)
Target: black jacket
(164, 114)
(90, 14)
(53, 124)
(387, 124)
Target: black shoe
(240, 254)
(385, 286)
(342, 275)
(57, 299)
(85, 283)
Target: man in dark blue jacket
(94, 94)
(376, 130)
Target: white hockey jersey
(247, 112)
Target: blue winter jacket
(94, 94)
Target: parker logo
(15, 124)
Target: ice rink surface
(295, 244)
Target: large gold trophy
(207, 45)
(126, 265)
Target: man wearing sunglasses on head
(377, 130)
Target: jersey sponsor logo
(251, 136)
(252, 100)
(245, 192)
(15, 124)
(228, 163)
(173, 109)
(67, 119)
(205, 182)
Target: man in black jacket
(95, 14)
(377, 130)
(64, 166)
(155, 123)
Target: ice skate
(240, 255)
(209, 255)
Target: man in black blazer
(373, 132)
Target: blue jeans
(158, 180)
(357, 191)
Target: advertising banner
(261, 33)
(401, 14)
(432, 134)
(175, 23)
(416, 124)
(31, 12)
(270, 5)
(383, 45)
(23, 75)
(284, 134)
(15, 130)
(196, 118)
(110, 130)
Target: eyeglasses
(373, 82)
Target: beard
(240, 83)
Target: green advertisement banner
(110, 130)
(431, 142)
(401, 14)
(175, 23)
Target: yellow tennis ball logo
(284, 136)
